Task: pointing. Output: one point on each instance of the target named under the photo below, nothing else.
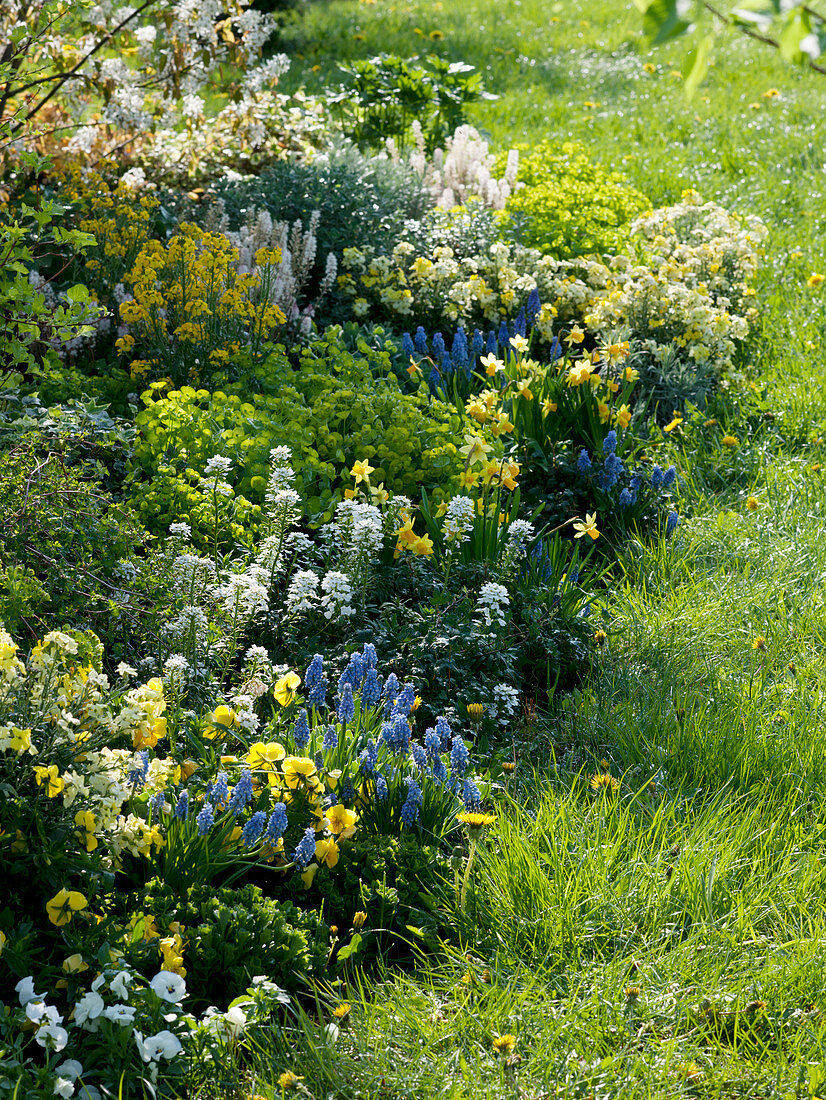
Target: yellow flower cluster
(192, 309)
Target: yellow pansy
(326, 851)
(62, 907)
(264, 756)
(342, 821)
(285, 688)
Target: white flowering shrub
(463, 170)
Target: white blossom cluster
(458, 519)
(491, 603)
(463, 170)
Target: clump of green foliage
(230, 936)
(335, 407)
(568, 205)
(62, 539)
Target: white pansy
(168, 986)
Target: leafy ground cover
(637, 908)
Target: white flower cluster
(302, 593)
(463, 170)
(520, 532)
(337, 598)
(458, 519)
(505, 700)
(490, 606)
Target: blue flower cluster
(464, 353)
(611, 471)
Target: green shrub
(397, 881)
(232, 934)
(361, 200)
(59, 527)
(568, 205)
(336, 407)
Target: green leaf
(351, 948)
(695, 66)
(797, 27)
(662, 22)
(77, 293)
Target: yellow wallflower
(47, 776)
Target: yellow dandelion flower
(504, 1044)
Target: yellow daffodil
(549, 406)
(285, 688)
(576, 335)
(815, 280)
(524, 390)
(622, 416)
(674, 423)
(62, 907)
(491, 364)
(579, 374)
(475, 449)
(630, 375)
(519, 343)
(422, 547)
(362, 470)
(589, 527)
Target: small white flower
(120, 984)
(120, 1014)
(162, 1045)
(125, 670)
(52, 1037)
(218, 464)
(182, 530)
(64, 1086)
(89, 1007)
(25, 990)
(168, 986)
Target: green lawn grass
(671, 939)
